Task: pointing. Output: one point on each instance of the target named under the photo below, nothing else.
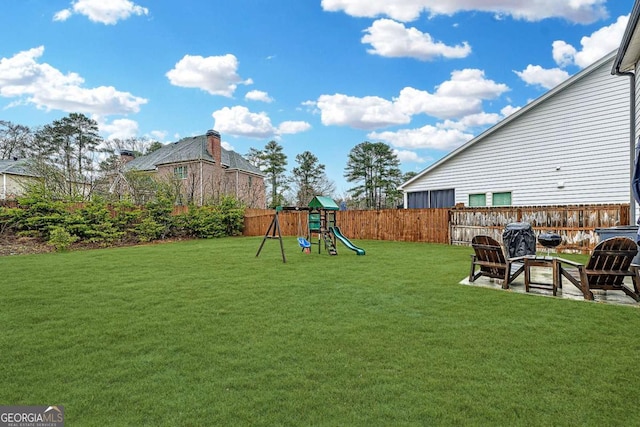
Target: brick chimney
(213, 146)
(126, 156)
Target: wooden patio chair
(606, 269)
(490, 258)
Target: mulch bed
(14, 245)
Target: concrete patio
(568, 291)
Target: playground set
(321, 228)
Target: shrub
(40, 215)
(61, 224)
(60, 239)
(126, 217)
(93, 223)
(9, 219)
(159, 217)
(223, 219)
(149, 229)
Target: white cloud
(509, 110)
(22, 76)
(581, 11)
(217, 75)
(107, 12)
(563, 53)
(407, 156)
(547, 78)
(594, 47)
(227, 146)
(63, 15)
(455, 98)
(258, 95)
(158, 135)
(369, 112)
(392, 39)
(118, 128)
(471, 121)
(292, 127)
(471, 82)
(425, 137)
(239, 121)
(414, 101)
(458, 97)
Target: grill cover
(519, 239)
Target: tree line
(77, 163)
(69, 156)
(372, 167)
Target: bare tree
(15, 140)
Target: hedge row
(61, 224)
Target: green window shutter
(501, 199)
(477, 200)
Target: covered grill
(519, 239)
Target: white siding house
(570, 146)
(14, 175)
(627, 62)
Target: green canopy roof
(324, 202)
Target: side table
(541, 262)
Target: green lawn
(204, 333)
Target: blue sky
(423, 76)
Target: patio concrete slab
(568, 291)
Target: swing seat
(304, 243)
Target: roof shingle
(188, 150)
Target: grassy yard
(204, 333)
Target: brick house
(202, 170)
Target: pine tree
(272, 161)
(375, 168)
(69, 145)
(309, 179)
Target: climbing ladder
(328, 243)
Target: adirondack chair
(490, 258)
(607, 267)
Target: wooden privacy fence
(410, 225)
(576, 224)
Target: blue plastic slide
(346, 242)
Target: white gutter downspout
(4, 186)
(632, 25)
(632, 142)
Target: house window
(477, 200)
(501, 199)
(418, 200)
(250, 181)
(442, 198)
(180, 172)
(431, 199)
